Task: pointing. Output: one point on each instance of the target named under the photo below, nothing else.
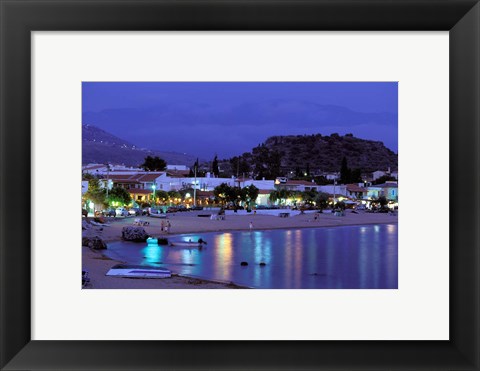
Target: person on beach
(251, 225)
(162, 225)
(168, 226)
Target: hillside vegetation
(313, 154)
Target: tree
(252, 192)
(280, 195)
(274, 164)
(382, 200)
(161, 195)
(183, 192)
(321, 180)
(95, 193)
(240, 165)
(193, 169)
(153, 164)
(215, 170)
(173, 194)
(274, 196)
(309, 196)
(87, 176)
(298, 172)
(267, 163)
(322, 200)
(355, 176)
(224, 193)
(340, 205)
(348, 175)
(384, 179)
(120, 195)
(344, 172)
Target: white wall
(339, 189)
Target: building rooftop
(178, 173)
(137, 191)
(355, 188)
(386, 185)
(299, 182)
(148, 177)
(264, 191)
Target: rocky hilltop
(326, 152)
(281, 155)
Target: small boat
(159, 215)
(188, 243)
(138, 271)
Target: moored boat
(198, 243)
(158, 215)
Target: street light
(108, 171)
(334, 184)
(154, 187)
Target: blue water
(353, 257)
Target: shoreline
(238, 223)
(271, 229)
(182, 223)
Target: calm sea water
(353, 257)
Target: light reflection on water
(326, 258)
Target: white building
(177, 167)
(103, 169)
(378, 174)
(260, 184)
(337, 189)
(331, 176)
(296, 185)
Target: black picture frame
(18, 18)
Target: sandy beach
(185, 222)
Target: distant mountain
(207, 129)
(99, 146)
(281, 155)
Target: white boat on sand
(138, 271)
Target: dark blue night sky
(229, 118)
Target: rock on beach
(95, 243)
(135, 234)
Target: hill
(99, 146)
(284, 155)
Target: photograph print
(239, 185)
